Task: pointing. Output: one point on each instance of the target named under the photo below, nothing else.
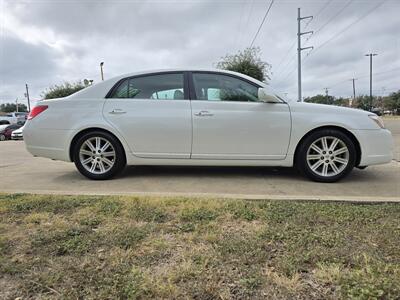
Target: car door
(230, 123)
(152, 112)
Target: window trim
(185, 84)
(193, 95)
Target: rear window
(158, 87)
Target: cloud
(47, 42)
(23, 62)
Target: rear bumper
(376, 146)
(48, 143)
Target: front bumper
(376, 146)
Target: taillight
(36, 110)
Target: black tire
(2, 137)
(119, 161)
(301, 156)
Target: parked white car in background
(17, 134)
(202, 117)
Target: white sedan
(17, 134)
(202, 118)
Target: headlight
(377, 120)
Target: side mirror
(265, 96)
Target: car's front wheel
(98, 155)
(326, 155)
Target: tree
(393, 102)
(330, 100)
(247, 62)
(321, 99)
(364, 102)
(11, 107)
(342, 102)
(62, 90)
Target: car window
(160, 87)
(173, 94)
(219, 87)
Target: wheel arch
(87, 130)
(342, 129)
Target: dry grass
(391, 117)
(69, 247)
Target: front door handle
(117, 111)
(203, 113)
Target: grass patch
(138, 248)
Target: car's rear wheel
(98, 155)
(2, 137)
(326, 155)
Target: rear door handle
(203, 113)
(117, 111)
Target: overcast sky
(45, 42)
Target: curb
(339, 198)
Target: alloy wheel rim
(97, 155)
(328, 156)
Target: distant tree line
(387, 103)
(11, 107)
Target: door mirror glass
(265, 95)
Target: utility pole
(354, 88)
(27, 97)
(354, 91)
(101, 70)
(326, 92)
(299, 49)
(370, 77)
(16, 104)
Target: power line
(348, 26)
(364, 76)
(331, 19)
(322, 8)
(336, 35)
(295, 41)
(288, 74)
(249, 15)
(286, 54)
(384, 72)
(319, 12)
(262, 22)
(238, 34)
(288, 63)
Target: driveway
(20, 172)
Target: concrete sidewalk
(20, 172)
